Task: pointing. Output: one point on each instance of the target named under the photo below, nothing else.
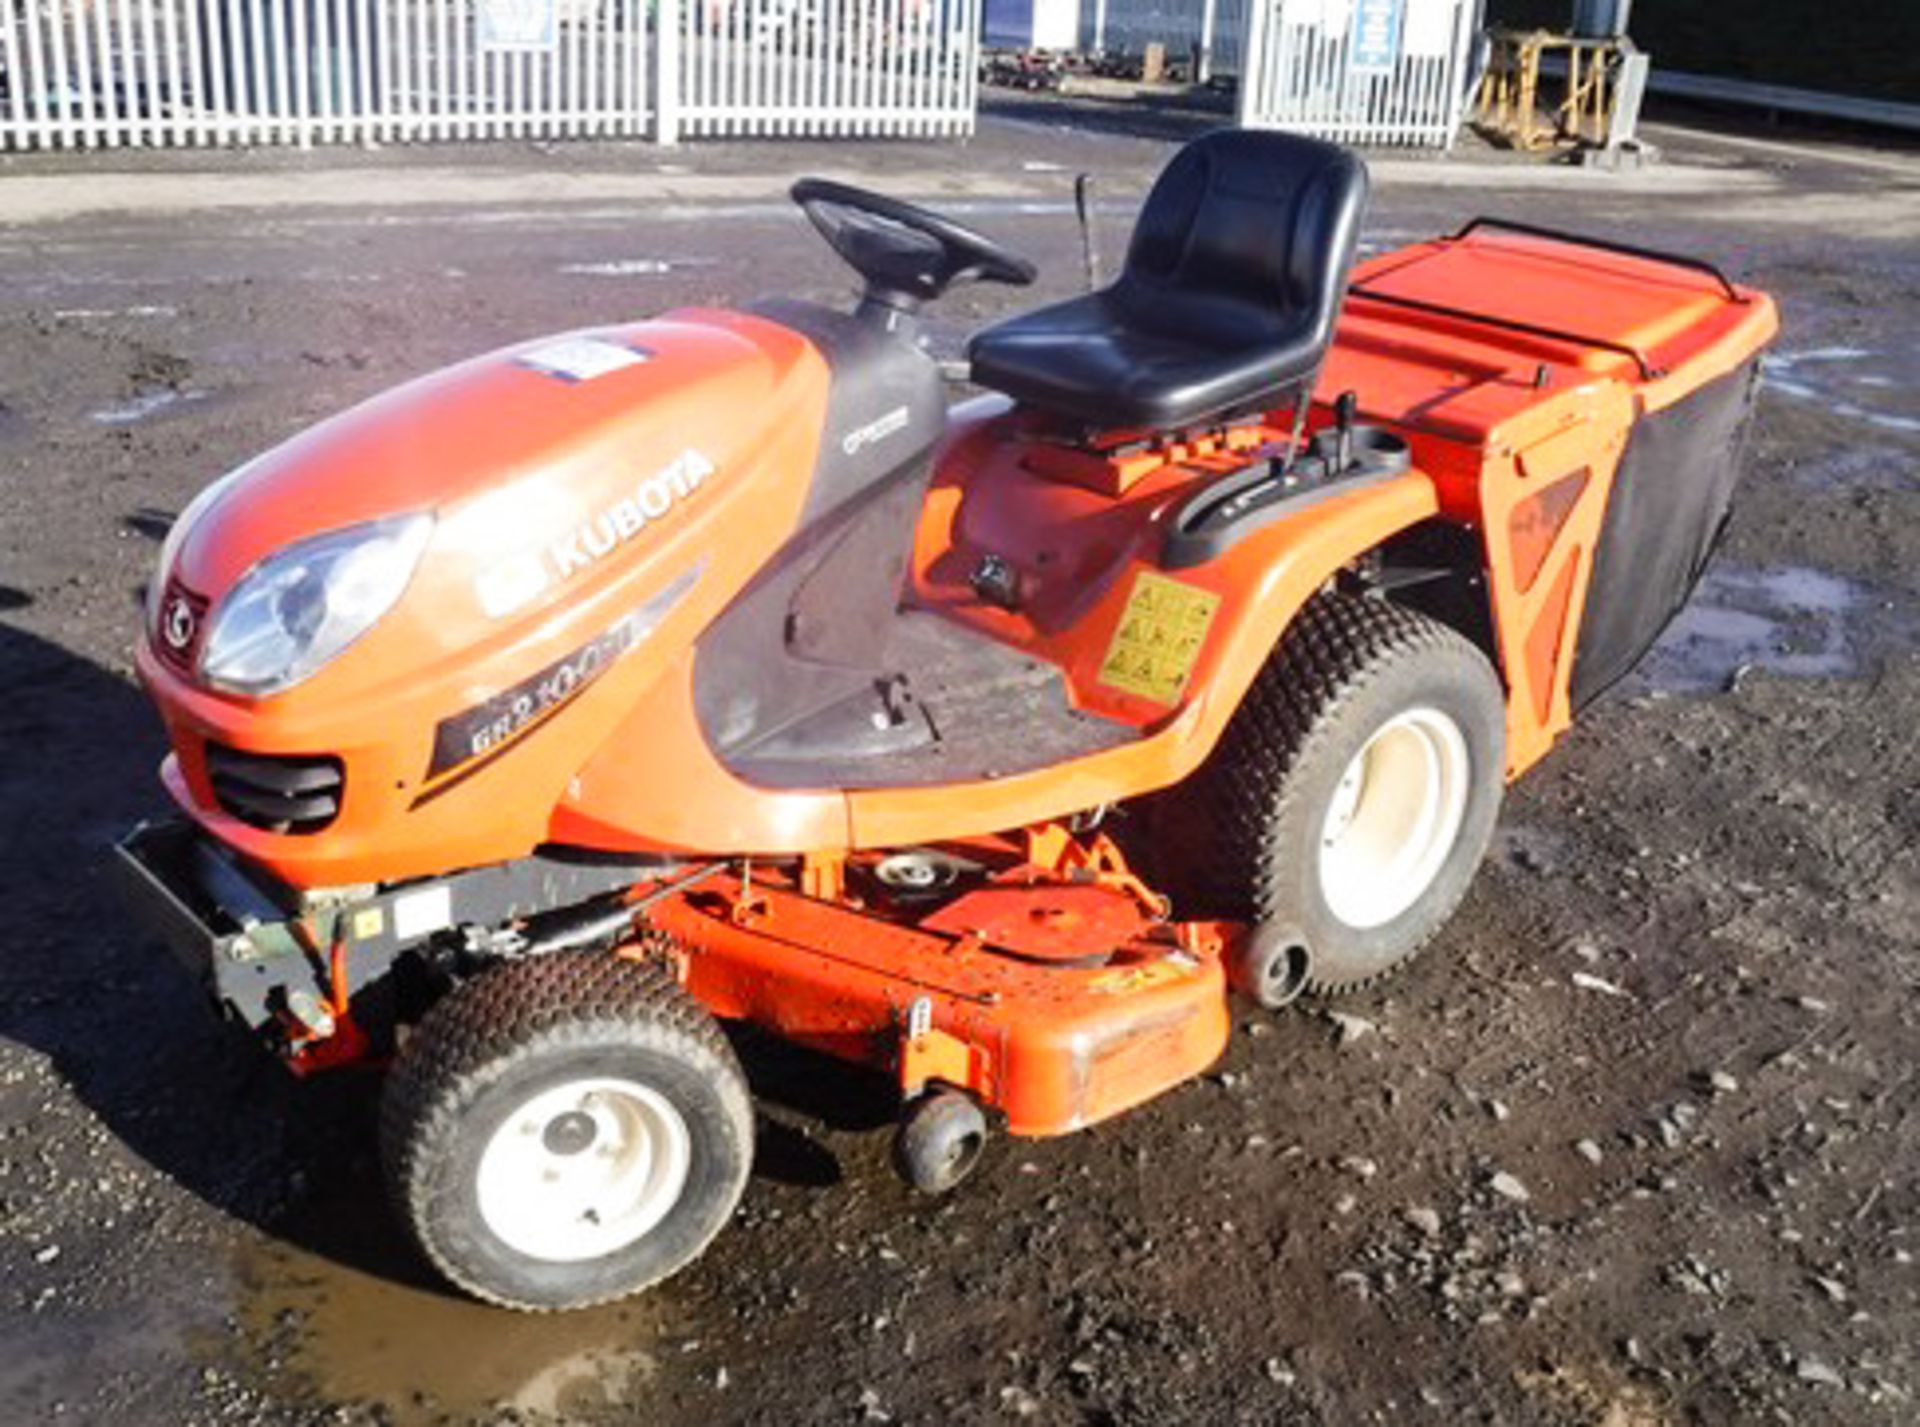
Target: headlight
(295, 611)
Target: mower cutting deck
(534, 718)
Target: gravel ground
(1634, 1143)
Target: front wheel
(1353, 795)
(565, 1131)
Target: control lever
(1083, 207)
(1344, 407)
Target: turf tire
(490, 1045)
(1240, 839)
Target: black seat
(1228, 299)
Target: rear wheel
(1353, 795)
(566, 1130)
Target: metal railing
(1786, 99)
(1359, 71)
(81, 74)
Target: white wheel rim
(1394, 817)
(584, 1169)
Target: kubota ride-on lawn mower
(533, 719)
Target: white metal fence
(107, 73)
(1359, 71)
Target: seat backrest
(1247, 234)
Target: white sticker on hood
(581, 359)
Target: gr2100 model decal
(488, 728)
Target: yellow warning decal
(368, 923)
(1159, 639)
(1128, 979)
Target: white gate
(105, 73)
(1359, 71)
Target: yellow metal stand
(1509, 105)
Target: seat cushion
(1084, 358)
(1232, 284)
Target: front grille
(279, 794)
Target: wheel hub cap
(1393, 818)
(583, 1169)
(569, 1133)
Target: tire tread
(514, 1012)
(1212, 840)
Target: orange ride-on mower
(534, 719)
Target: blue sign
(1376, 37)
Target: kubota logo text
(628, 516)
(519, 579)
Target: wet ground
(1634, 1143)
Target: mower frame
(1129, 1003)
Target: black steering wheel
(907, 254)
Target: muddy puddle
(1858, 384)
(1862, 466)
(1790, 620)
(367, 1325)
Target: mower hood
(541, 468)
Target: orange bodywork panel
(1087, 551)
(1089, 547)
